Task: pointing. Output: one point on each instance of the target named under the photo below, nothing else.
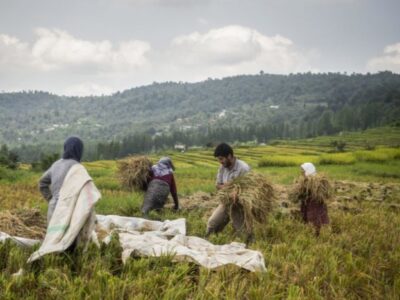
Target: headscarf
(73, 148)
(309, 169)
(163, 167)
(167, 161)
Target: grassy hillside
(356, 257)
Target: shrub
(338, 145)
(9, 175)
(8, 158)
(45, 162)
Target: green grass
(379, 155)
(343, 263)
(286, 161)
(337, 159)
(356, 257)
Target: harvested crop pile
(23, 223)
(315, 187)
(252, 193)
(198, 200)
(134, 171)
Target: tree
(325, 123)
(8, 158)
(339, 145)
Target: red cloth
(169, 178)
(314, 212)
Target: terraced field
(356, 257)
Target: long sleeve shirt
(51, 181)
(170, 180)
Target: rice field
(356, 257)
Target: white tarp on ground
(168, 228)
(18, 240)
(141, 237)
(191, 248)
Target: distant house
(180, 147)
(222, 114)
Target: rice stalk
(251, 193)
(28, 224)
(316, 187)
(134, 171)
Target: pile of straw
(316, 188)
(252, 193)
(32, 217)
(198, 200)
(134, 172)
(27, 224)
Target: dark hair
(223, 150)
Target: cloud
(59, 62)
(390, 60)
(170, 2)
(203, 21)
(56, 49)
(328, 2)
(13, 52)
(237, 49)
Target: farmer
(71, 194)
(51, 181)
(161, 183)
(313, 193)
(230, 168)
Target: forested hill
(263, 106)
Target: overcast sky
(83, 47)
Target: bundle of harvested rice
(252, 193)
(32, 217)
(133, 172)
(316, 187)
(31, 225)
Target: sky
(94, 47)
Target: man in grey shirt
(230, 168)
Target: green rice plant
(378, 170)
(355, 257)
(8, 175)
(109, 183)
(101, 164)
(372, 156)
(343, 263)
(119, 202)
(337, 159)
(391, 153)
(285, 161)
